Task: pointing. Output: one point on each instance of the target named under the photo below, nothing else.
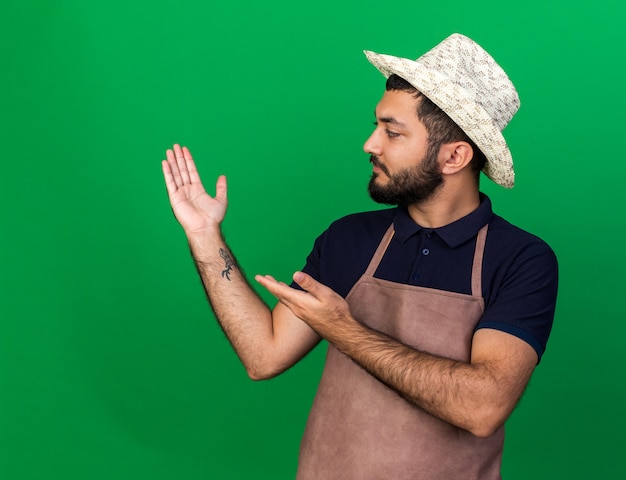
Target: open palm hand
(193, 207)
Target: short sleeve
(523, 300)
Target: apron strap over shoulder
(477, 267)
(380, 251)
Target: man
(435, 311)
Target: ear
(454, 157)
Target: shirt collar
(455, 233)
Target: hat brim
(460, 106)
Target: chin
(379, 178)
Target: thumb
(305, 281)
(221, 189)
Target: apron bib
(359, 429)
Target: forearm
(244, 317)
(477, 395)
(267, 342)
(463, 394)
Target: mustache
(374, 160)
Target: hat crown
(467, 65)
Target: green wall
(111, 364)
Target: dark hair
(440, 127)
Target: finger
(280, 290)
(268, 280)
(170, 184)
(171, 160)
(191, 166)
(277, 281)
(309, 284)
(269, 283)
(194, 176)
(181, 161)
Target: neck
(444, 207)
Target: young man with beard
(436, 312)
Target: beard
(408, 186)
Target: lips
(377, 165)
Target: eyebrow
(391, 120)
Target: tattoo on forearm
(229, 263)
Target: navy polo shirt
(519, 280)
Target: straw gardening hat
(467, 84)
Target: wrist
(203, 242)
(204, 233)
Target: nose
(372, 144)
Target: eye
(391, 134)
